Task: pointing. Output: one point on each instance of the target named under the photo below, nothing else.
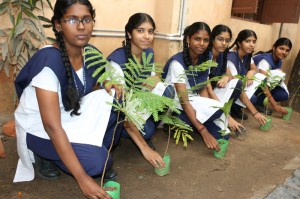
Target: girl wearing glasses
(222, 36)
(197, 107)
(58, 121)
(272, 61)
(139, 36)
(241, 63)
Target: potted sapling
(181, 131)
(223, 143)
(276, 78)
(270, 83)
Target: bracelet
(255, 113)
(201, 128)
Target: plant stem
(167, 147)
(110, 147)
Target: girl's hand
(209, 140)
(118, 88)
(234, 125)
(281, 110)
(153, 157)
(91, 189)
(250, 77)
(260, 118)
(223, 82)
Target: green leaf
(42, 18)
(4, 50)
(12, 18)
(47, 25)
(28, 13)
(52, 40)
(3, 33)
(3, 8)
(49, 3)
(20, 28)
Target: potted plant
(181, 131)
(272, 81)
(223, 143)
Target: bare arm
(250, 74)
(150, 155)
(225, 79)
(211, 92)
(209, 140)
(257, 115)
(276, 106)
(51, 118)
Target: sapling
(137, 100)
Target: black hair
(243, 35)
(134, 22)
(217, 30)
(72, 98)
(189, 31)
(279, 42)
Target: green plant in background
(25, 35)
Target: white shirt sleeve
(176, 73)
(232, 68)
(263, 65)
(251, 61)
(47, 80)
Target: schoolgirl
(198, 109)
(270, 63)
(222, 36)
(58, 121)
(139, 35)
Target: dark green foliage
(24, 36)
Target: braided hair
(243, 35)
(72, 97)
(134, 22)
(189, 31)
(217, 30)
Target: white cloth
(158, 89)
(224, 94)
(274, 75)
(88, 128)
(250, 90)
(204, 107)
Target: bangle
(255, 113)
(201, 128)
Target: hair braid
(186, 54)
(72, 96)
(224, 66)
(127, 45)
